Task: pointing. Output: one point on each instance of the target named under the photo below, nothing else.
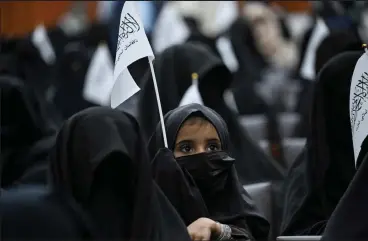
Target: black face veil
(230, 205)
(174, 68)
(100, 160)
(322, 172)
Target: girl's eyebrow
(184, 141)
(213, 139)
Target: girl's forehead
(201, 129)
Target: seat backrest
(288, 122)
(255, 125)
(299, 238)
(261, 193)
(292, 148)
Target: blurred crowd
(273, 86)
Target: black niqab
(230, 205)
(173, 69)
(100, 160)
(322, 172)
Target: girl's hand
(202, 228)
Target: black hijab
(348, 221)
(73, 57)
(27, 133)
(20, 58)
(100, 159)
(224, 200)
(196, 35)
(251, 64)
(72, 67)
(173, 69)
(36, 213)
(322, 172)
(335, 43)
(248, 101)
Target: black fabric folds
(183, 186)
(35, 213)
(100, 160)
(210, 171)
(348, 221)
(173, 69)
(27, 133)
(335, 43)
(251, 64)
(321, 173)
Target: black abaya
(36, 213)
(27, 134)
(100, 160)
(251, 64)
(322, 172)
(192, 202)
(333, 44)
(173, 69)
(348, 221)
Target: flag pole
(158, 102)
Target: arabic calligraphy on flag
(358, 104)
(132, 45)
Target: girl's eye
(185, 148)
(213, 147)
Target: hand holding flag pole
(132, 45)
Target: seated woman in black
(100, 161)
(199, 178)
(321, 174)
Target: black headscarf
(197, 36)
(173, 69)
(322, 172)
(27, 133)
(35, 213)
(248, 101)
(73, 57)
(72, 68)
(224, 200)
(100, 160)
(348, 221)
(335, 43)
(251, 64)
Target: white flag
(192, 95)
(358, 104)
(320, 31)
(227, 53)
(132, 46)
(170, 28)
(42, 42)
(100, 77)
